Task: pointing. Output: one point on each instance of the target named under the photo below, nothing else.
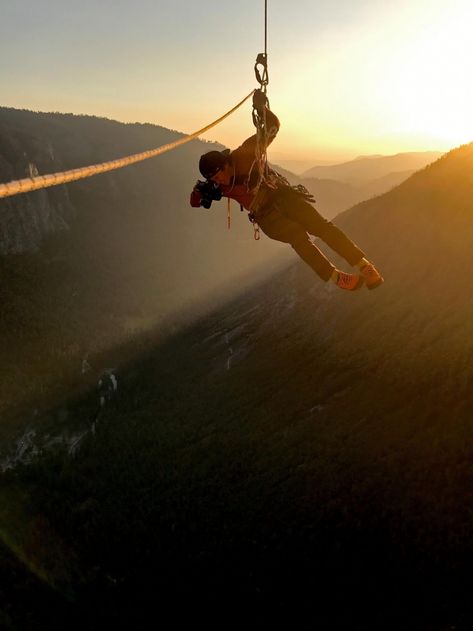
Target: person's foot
(348, 281)
(371, 276)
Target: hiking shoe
(371, 276)
(349, 281)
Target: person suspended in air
(283, 212)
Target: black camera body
(208, 191)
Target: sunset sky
(347, 78)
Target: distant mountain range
(368, 168)
(338, 187)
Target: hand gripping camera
(204, 193)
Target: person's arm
(272, 127)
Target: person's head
(215, 166)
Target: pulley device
(260, 98)
(263, 80)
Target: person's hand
(196, 197)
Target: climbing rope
(43, 181)
(262, 58)
(259, 120)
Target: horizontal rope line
(42, 181)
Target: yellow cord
(42, 181)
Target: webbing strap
(43, 181)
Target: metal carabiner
(256, 232)
(262, 60)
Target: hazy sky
(346, 76)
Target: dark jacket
(244, 184)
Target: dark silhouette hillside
(300, 457)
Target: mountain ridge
(365, 168)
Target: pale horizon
(362, 78)
(291, 161)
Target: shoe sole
(359, 285)
(376, 284)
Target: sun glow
(399, 81)
(431, 81)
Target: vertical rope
(266, 28)
(264, 156)
(261, 153)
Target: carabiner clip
(256, 233)
(262, 60)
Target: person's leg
(280, 228)
(277, 226)
(300, 211)
(312, 221)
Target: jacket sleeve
(248, 148)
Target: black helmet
(210, 163)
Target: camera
(205, 193)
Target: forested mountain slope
(302, 455)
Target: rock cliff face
(26, 219)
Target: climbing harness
(43, 181)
